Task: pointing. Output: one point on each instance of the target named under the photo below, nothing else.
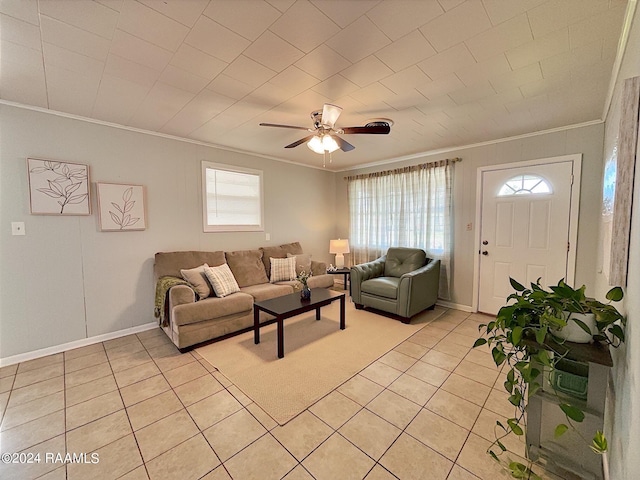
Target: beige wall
(623, 406)
(66, 281)
(585, 140)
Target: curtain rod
(436, 163)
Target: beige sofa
(191, 321)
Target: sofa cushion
(279, 252)
(247, 267)
(170, 263)
(212, 308)
(403, 260)
(198, 280)
(381, 286)
(265, 291)
(303, 262)
(282, 269)
(222, 280)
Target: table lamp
(339, 247)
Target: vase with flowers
(303, 277)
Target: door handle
(484, 252)
(484, 242)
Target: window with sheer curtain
(407, 207)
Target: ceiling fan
(324, 134)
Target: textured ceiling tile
(502, 10)
(400, 17)
(74, 39)
(139, 51)
(249, 19)
(406, 99)
(146, 23)
(282, 5)
(19, 54)
(408, 78)
(294, 80)
(436, 105)
(557, 14)
(115, 5)
(483, 70)
(473, 93)
(442, 86)
(456, 25)
(349, 42)
(134, 72)
(304, 26)
(496, 40)
(118, 99)
(546, 85)
(81, 64)
(22, 81)
(585, 55)
(216, 40)
(89, 16)
(269, 95)
(586, 31)
(197, 62)
(229, 87)
(451, 4)
(367, 71)
(406, 51)
(22, 33)
(25, 11)
(274, 52)
(197, 112)
(539, 49)
(344, 12)
(176, 77)
(447, 62)
(373, 95)
(516, 78)
(161, 104)
(322, 63)
(183, 11)
(85, 89)
(335, 87)
(250, 71)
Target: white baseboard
(456, 306)
(23, 357)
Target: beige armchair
(404, 282)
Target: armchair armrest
(419, 289)
(181, 294)
(362, 272)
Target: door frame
(574, 211)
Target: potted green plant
(524, 337)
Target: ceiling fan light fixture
(322, 144)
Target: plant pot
(573, 332)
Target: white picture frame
(58, 188)
(121, 207)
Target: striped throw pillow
(222, 280)
(283, 269)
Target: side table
(346, 272)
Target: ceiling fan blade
(375, 129)
(343, 144)
(300, 142)
(330, 114)
(282, 126)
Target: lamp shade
(340, 245)
(322, 144)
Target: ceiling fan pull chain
(324, 159)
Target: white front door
(524, 230)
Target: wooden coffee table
(291, 305)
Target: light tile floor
(149, 412)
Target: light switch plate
(17, 228)
(267, 236)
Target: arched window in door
(524, 185)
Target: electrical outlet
(17, 228)
(469, 226)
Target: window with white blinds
(232, 198)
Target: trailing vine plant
(522, 340)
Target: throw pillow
(196, 277)
(222, 280)
(283, 269)
(303, 262)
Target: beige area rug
(318, 356)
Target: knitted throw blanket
(161, 308)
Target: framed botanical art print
(121, 207)
(58, 188)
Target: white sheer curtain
(407, 207)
